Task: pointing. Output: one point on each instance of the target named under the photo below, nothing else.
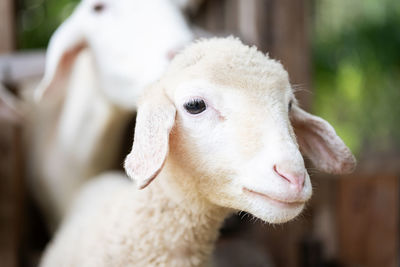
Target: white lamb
(98, 62)
(215, 135)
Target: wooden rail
(15, 68)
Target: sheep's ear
(154, 121)
(64, 46)
(319, 142)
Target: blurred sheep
(98, 62)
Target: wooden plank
(231, 8)
(7, 26)
(10, 166)
(288, 41)
(247, 21)
(11, 193)
(11, 182)
(18, 67)
(211, 16)
(368, 220)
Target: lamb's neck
(84, 143)
(85, 126)
(192, 229)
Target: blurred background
(343, 57)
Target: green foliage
(357, 78)
(38, 19)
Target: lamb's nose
(296, 178)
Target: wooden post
(11, 182)
(7, 26)
(11, 194)
(288, 41)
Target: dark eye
(99, 7)
(195, 106)
(290, 105)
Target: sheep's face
(239, 149)
(229, 132)
(132, 41)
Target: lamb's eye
(290, 105)
(98, 7)
(195, 106)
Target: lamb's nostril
(281, 175)
(293, 177)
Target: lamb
(216, 134)
(98, 62)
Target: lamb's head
(132, 41)
(225, 122)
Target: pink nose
(296, 178)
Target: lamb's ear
(319, 142)
(154, 121)
(64, 46)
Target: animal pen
(351, 220)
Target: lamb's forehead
(228, 62)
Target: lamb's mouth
(290, 204)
